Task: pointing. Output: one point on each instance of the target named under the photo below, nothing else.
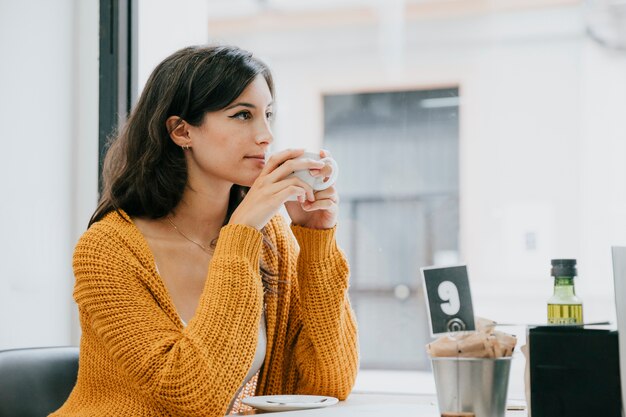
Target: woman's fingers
(286, 193)
(288, 167)
(279, 158)
(276, 185)
(265, 198)
(291, 182)
(324, 153)
(325, 204)
(328, 194)
(324, 200)
(325, 172)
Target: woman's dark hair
(145, 172)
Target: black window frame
(118, 70)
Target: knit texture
(137, 358)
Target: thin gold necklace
(200, 245)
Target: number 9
(448, 292)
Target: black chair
(36, 381)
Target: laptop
(619, 279)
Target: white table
(377, 405)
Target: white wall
(164, 27)
(48, 114)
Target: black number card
(448, 299)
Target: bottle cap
(563, 268)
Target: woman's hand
(273, 187)
(318, 214)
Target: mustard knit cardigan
(137, 358)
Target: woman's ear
(179, 131)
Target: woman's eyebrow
(252, 106)
(244, 104)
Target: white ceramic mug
(317, 183)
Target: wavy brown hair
(145, 172)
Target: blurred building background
(489, 133)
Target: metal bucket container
(472, 385)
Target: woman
(192, 291)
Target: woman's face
(230, 144)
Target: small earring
(185, 147)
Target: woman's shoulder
(112, 243)
(114, 229)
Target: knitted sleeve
(321, 320)
(193, 371)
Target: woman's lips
(260, 159)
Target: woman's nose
(264, 134)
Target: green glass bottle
(564, 307)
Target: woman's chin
(245, 182)
(247, 179)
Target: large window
(398, 153)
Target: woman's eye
(269, 115)
(242, 115)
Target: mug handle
(321, 185)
